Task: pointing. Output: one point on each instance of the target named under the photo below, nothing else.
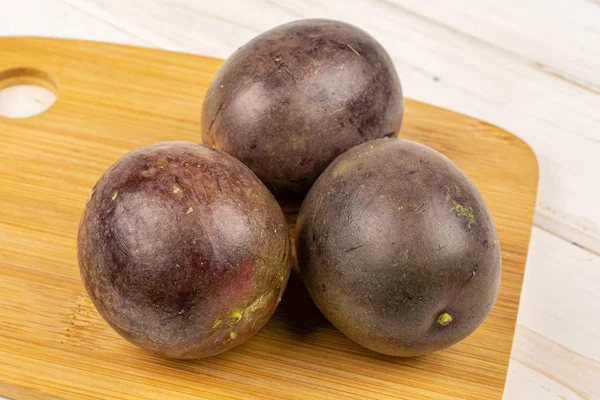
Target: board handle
(21, 64)
(26, 76)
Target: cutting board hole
(25, 92)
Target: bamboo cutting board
(112, 99)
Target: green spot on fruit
(236, 316)
(465, 212)
(444, 319)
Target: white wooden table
(531, 67)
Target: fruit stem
(444, 319)
(236, 316)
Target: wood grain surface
(112, 99)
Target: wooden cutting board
(113, 99)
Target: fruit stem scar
(236, 316)
(444, 319)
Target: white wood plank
(560, 36)
(561, 295)
(57, 19)
(572, 371)
(556, 351)
(525, 383)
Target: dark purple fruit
(398, 249)
(292, 99)
(183, 250)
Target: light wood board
(112, 99)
